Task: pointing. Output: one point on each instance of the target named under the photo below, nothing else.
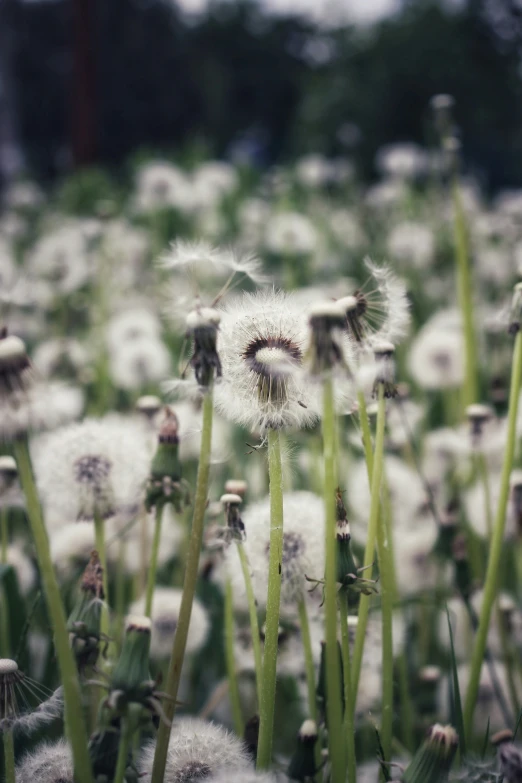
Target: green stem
(333, 673)
(349, 727)
(484, 476)
(369, 553)
(267, 706)
(120, 596)
(9, 757)
(76, 731)
(123, 751)
(465, 292)
(189, 590)
(153, 567)
(308, 657)
(407, 718)
(4, 521)
(366, 433)
(233, 688)
(387, 596)
(99, 537)
(495, 550)
(254, 623)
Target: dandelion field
(261, 475)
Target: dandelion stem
(484, 477)
(76, 731)
(366, 433)
(464, 287)
(333, 672)
(4, 521)
(233, 688)
(153, 567)
(267, 705)
(495, 550)
(308, 657)
(369, 553)
(254, 623)
(349, 729)
(387, 598)
(9, 757)
(99, 534)
(123, 751)
(189, 590)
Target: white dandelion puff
(96, 467)
(48, 763)
(263, 339)
(302, 554)
(197, 749)
(166, 603)
(435, 359)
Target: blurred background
(102, 82)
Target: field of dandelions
(261, 474)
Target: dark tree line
(95, 80)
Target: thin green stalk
(369, 553)
(123, 751)
(254, 622)
(99, 537)
(465, 294)
(308, 657)
(387, 597)
(267, 706)
(9, 757)
(120, 595)
(75, 725)
(189, 589)
(153, 567)
(495, 550)
(4, 521)
(507, 655)
(233, 688)
(333, 673)
(484, 477)
(349, 727)
(366, 433)
(407, 718)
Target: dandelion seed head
(48, 763)
(244, 776)
(262, 344)
(197, 744)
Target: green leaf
(456, 701)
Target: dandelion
(435, 360)
(263, 340)
(139, 363)
(290, 234)
(49, 762)
(412, 244)
(198, 750)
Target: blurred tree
(237, 77)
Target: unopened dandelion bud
(516, 310)
(236, 487)
(131, 674)
(149, 406)
(302, 766)
(463, 574)
(235, 525)
(432, 762)
(442, 106)
(478, 415)
(428, 683)
(203, 325)
(84, 623)
(385, 369)
(326, 319)
(14, 364)
(346, 566)
(166, 484)
(515, 485)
